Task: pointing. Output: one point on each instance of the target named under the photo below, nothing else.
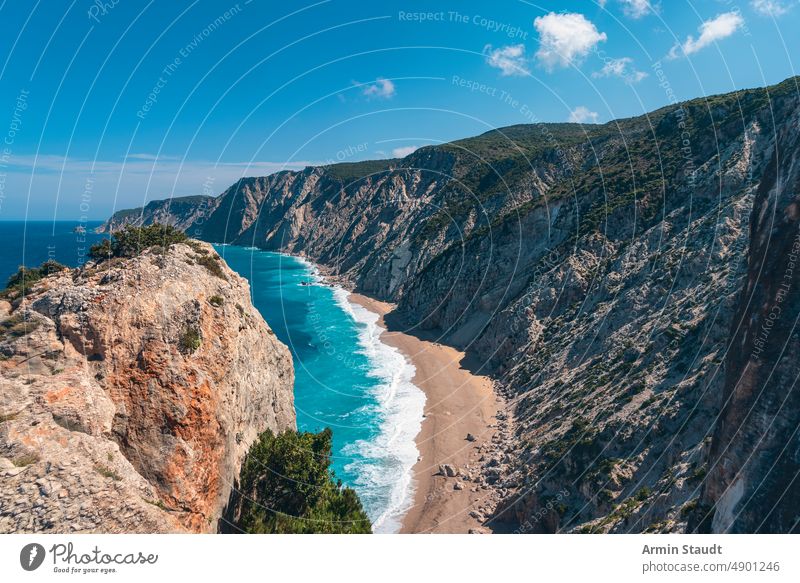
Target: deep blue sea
(345, 377)
(31, 243)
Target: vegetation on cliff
(25, 277)
(286, 486)
(131, 241)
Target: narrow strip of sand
(458, 403)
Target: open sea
(31, 243)
(345, 377)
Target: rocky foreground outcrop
(130, 393)
(613, 279)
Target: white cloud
(637, 8)
(565, 39)
(151, 157)
(770, 7)
(582, 114)
(404, 151)
(382, 88)
(622, 68)
(719, 27)
(509, 59)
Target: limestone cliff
(597, 273)
(130, 392)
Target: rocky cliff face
(597, 273)
(130, 393)
(180, 213)
(754, 462)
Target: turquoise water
(345, 378)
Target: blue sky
(106, 105)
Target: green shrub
(213, 264)
(17, 326)
(191, 340)
(25, 460)
(22, 281)
(107, 473)
(689, 507)
(286, 486)
(132, 241)
(102, 250)
(605, 496)
(216, 301)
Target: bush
(191, 340)
(212, 264)
(132, 241)
(216, 301)
(286, 486)
(22, 281)
(102, 250)
(25, 460)
(107, 473)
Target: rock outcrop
(597, 273)
(130, 393)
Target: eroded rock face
(130, 393)
(753, 483)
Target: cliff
(752, 485)
(181, 213)
(597, 273)
(130, 393)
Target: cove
(345, 378)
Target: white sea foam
(313, 270)
(384, 464)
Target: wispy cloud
(381, 89)
(509, 59)
(622, 68)
(565, 39)
(583, 114)
(771, 7)
(404, 151)
(637, 8)
(718, 28)
(151, 157)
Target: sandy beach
(458, 403)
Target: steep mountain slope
(598, 273)
(130, 393)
